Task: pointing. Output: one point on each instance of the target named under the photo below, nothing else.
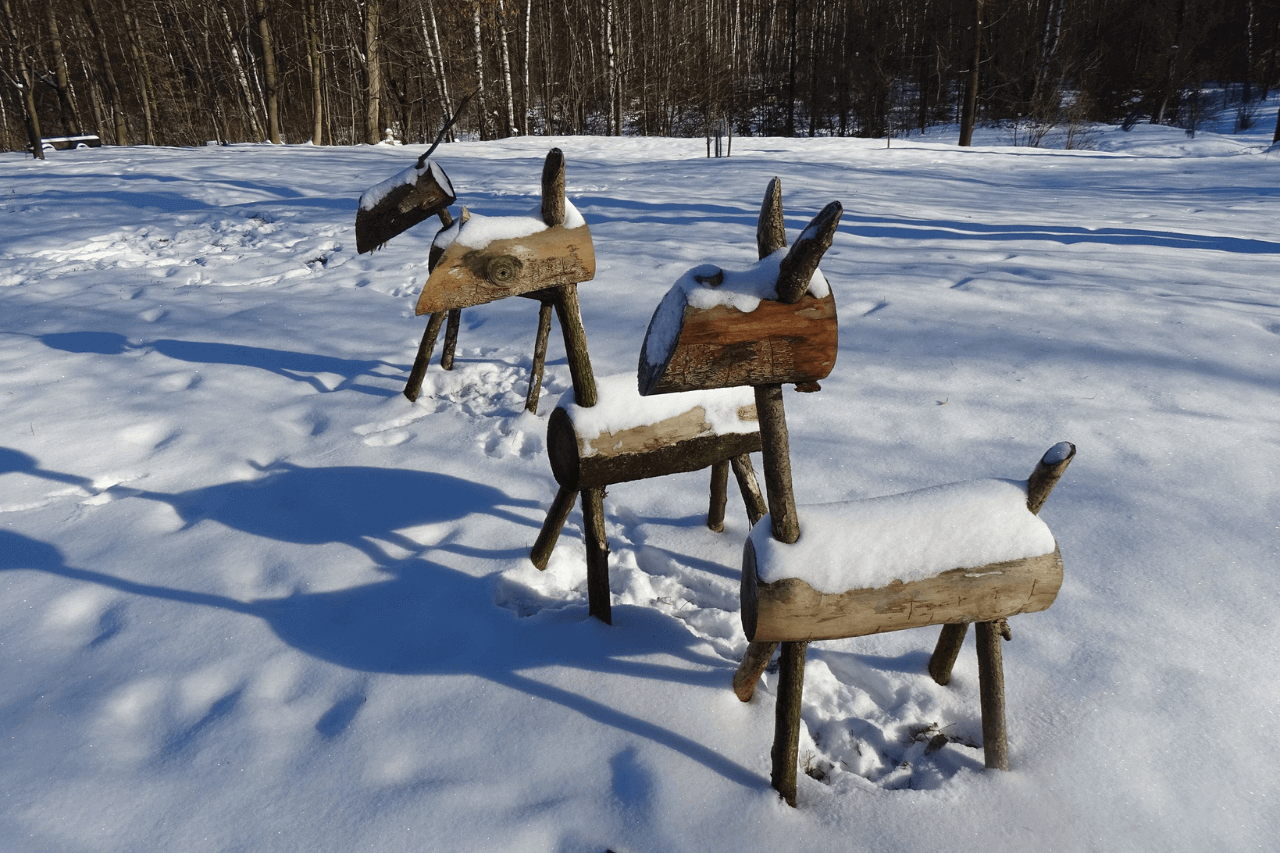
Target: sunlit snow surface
(252, 598)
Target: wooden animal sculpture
(478, 259)
(944, 556)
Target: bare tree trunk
(143, 73)
(242, 78)
(315, 67)
(62, 78)
(512, 128)
(269, 73)
(25, 82)
(108, 76)
(969, 114)
(373, 74)
(482, 103)
(430, 37)
(528, 25)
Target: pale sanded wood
(790, 609)
(465, 277)
(722, 347)
(399, 210)
(672, 446)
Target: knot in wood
(808, 387)
(710, 279)
(503, 269)
(1002, 628)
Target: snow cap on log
(401, 202)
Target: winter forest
(338, 72)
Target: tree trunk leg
(550, 533)
(597, 555)
(752, 667)
(786, 726)
(745, 474)
(575, 345)
(946, 652)
(450, 338)
(995, 743)
(719, 495)
(539, 357)
(420, 362)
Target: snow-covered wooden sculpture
(951, 555)
(542, 256)
(625, 437)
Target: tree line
(185, 72)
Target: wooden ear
(802, 260)
(1047, 473)
(553, 188)
(771, 231)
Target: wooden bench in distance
(626, 437)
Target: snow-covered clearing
(254, 599)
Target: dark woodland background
(184, 72)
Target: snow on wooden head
(401, 202)
(490, 257)
(772, 323)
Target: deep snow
(254, 599)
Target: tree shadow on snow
(291, 365)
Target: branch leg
(450, 338)
(752, 667)
(597, 555)
(539, 357)
(946, 652)
(550, 533)
(745, 474)
(420, 362)
(786, 726)
(719, 495)
(995, 742)
(776, 450)
(575, 345)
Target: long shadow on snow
(428, 619)
(291, 365)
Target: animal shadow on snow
(300, 367)
(423, 618)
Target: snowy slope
(254, 599)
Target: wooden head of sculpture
(489, 258)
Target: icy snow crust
(907, 537)
(741, 289)
(620, 407)
(373, 196)
(254, 599)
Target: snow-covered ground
(254, 599)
